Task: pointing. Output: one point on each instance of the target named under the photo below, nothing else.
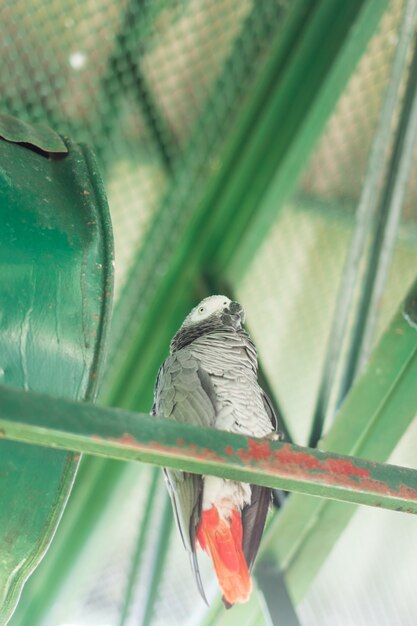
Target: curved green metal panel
(35, 135)
(56, 284)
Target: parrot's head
(216, 308)
(212, 313)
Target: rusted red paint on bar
(300, 459)
(39, 419)
(289, 461)
(340, 472)
(345, 467)
(191, 450)
(258, 450)
(308, 462)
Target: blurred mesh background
(292, 285)
(135, 79)
(132, 79)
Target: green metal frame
(220, 240)
(387, 388)
(212, 241)
(367, 213)
(160, 557)
(55, 423)
(282, 116)
(389, 214)
(378, 410)
(142, 538)
(56, 273)
(279, 609)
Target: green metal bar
(202, 224)
(292, 121)
(388, 221)
(159, 560)
(144, 326)
(365, 217)
(180, 232)
(376, 413)
(143, 532)
(147, 324)
(277, 604)
(38, 419)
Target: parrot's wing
(254, 514)
(184, 393)
(185, 492)
(270, 410)
(253, 522)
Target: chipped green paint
(36, 135)
(55, 272)
(35, 418)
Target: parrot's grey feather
(210, 379)
(228, 360)
(207, 385)
(270, 410)
(188, 334)
(254, 514)
(184, 393)
(253, 521)
(185, 492)
(197, 577)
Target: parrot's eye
(201, 309)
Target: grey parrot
(210, 379)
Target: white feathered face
(211, 306)
(206, 308)
(213, 313)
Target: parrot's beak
(235, 308)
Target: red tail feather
(222, 539)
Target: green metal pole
(143, 532)
(277, 604)
(386, 232)
(376, 413)
(365, 216)
(58, 423)
(159, 560)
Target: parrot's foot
(274, 436)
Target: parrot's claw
(273, 436)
